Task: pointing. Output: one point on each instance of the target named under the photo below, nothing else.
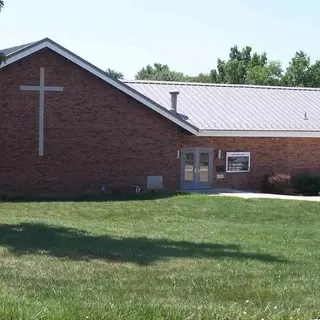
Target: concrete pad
(250, 195)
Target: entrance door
(196, 168)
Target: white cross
(42, 89)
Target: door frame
(196, 152)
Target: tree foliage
(245, 67)
(115, 74)
(269, 74)
(297, 73)
(242, 67)
(314, 75)
(159, 72)
(301, 73)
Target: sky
(187, 35)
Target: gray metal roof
(9, 51)
(239, 107)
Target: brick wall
(94, 133)
(283, 155)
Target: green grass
(185, 257)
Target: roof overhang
(259, 134)
(48, 43)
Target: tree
(314, 75)
(159, 72)
(269, 74)
(221, 71)
(115, 74)
(210, 77)
(235, 69)
(243, 67)
(297, 74)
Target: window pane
(204, 167)
(189, 167)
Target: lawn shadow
(75, 244)
(151, 195)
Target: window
(238, 161)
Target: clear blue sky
(187, 35)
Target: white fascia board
(259, 134)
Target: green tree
(159, 72)
(221, 71)
(237, 65)
(298, 73)
(210, 77)
(243, 67)
(314, 75)
(115, 74)
(269, 74)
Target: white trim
(22, 54)
(259, 134)
(238, 154)
(99, 73)
(228, 85)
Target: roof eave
(259, 133)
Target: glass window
(204, 167)
(238, 161)
(189, 167)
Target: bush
(307, 184)
(276, 183)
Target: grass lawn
(185, 257)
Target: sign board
(238, 161)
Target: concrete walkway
(251, 195)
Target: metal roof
(239, 107)
(9, 51)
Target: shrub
(276, 182)
(307, 184)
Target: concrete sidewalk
(250, 195)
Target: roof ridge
(227, 85)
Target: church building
(68, 128)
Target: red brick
(283, 155)
(96, 134)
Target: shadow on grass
(94, 198)
(75, 244)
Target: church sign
(238, 161)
